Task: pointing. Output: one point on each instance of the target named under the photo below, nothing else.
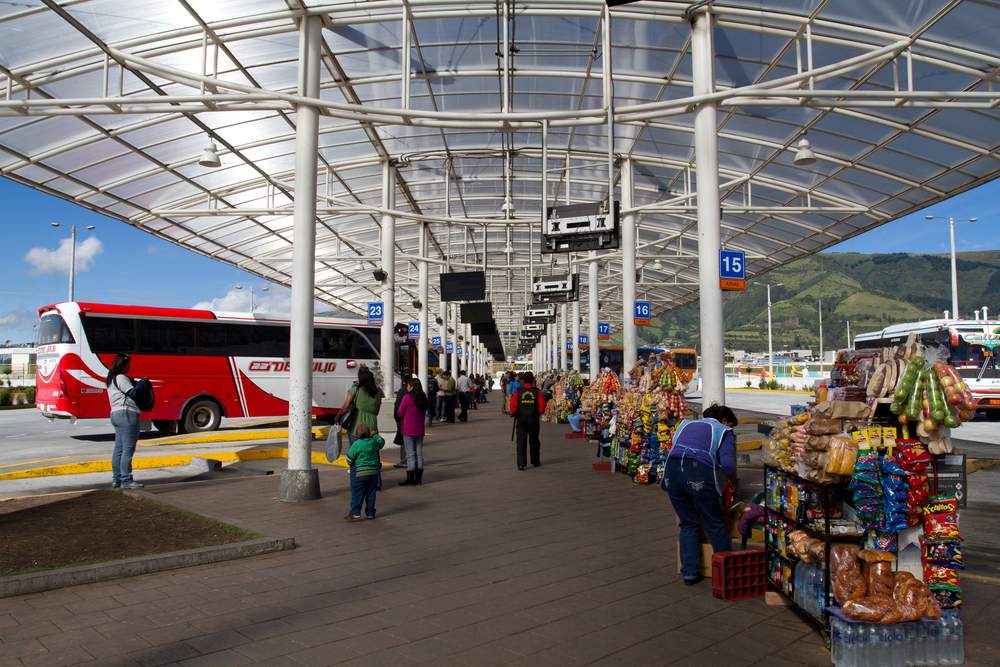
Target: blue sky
(120, 264)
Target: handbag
(345, 418)
(334, 443)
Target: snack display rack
(819, 521)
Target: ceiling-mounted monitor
(556, 289)
(580, 227)
(472, 313)
(463, 286)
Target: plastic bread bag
(871, 609)
(845, 573)
(820, 425)
(818, 442)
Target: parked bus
(613, 357)
(972, 347)
(686, 359)
(204, 365)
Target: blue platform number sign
(413, 330)
(436, 341)
(450, 348)
(603, 330)
(584, 340)
(569, 347)
(461, 351)
(375, 310)
(642, 313)
(732, 270)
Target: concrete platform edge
(37, 582)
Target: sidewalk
(483, 565)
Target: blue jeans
(363, 490)
(126, 425)
(414, 448)
(432, 402)
(691, 487)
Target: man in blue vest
(703, 450)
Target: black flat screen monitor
(473, 313)
(484, 328)
(464, 286)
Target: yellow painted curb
(771, 391)
(981, 578)
(168, 461)
(975, 465)
(749, 446)
(228, 436)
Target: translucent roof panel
(113, 108)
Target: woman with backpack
(410, 412)
(125, 419)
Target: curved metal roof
(109, 104)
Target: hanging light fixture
(210, 156)
(508, 206)
(804, 156)
(658, 265)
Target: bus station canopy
(112, 105)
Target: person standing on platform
(442, 376)
(703, 451)
(464, 387)
(512, 386)
(125, 419)
(527, 405)
(410, 412)
(432, 398)
(505, 398)
(448, 386)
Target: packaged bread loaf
(820, 425)
(843, 453)
(878, 572)
(818, 442)
(845, 573)
(871, 609)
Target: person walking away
(463, 386)
(367, 400)
(365, 464)
(125, 419)
(703, 450)
(449, 387)
(547, 385)
(432, 398)
(505, 399)
(527, 405)
(411, 412)
(513, 386)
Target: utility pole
(954, 261)
(72, 257)
(770, 346)
(821, 336)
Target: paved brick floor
(483, 565)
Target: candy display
(637, 421)
(942, 551)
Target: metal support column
(629, 347)
(575, 335)
(423, 366)
(594, 316)
(300, 481)
(706, 151)
(388, 238)
(443, 333)
(454, 339)
(563, 361)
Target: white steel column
(563, 355)
(629, 346)
(300, 481)
(595, 316)
(388, 238)
(575, 335)
(709, 229)
(423, 340)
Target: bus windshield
(52, 329)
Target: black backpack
(142, 393)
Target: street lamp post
(770, 346)
(72, 256)
(954, 269)
(821, 336)
(250, 287)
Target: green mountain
(871, 291)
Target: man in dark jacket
(527, 405)
(432, 396)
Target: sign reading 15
(732, 264)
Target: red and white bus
(204, 365)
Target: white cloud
(57, 261)
(16, 324)
(277, 300)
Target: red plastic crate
(739, 575)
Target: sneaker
(692, 581)
(351, 518)
(521, 467)
(370, 518)
(398, 465)
(115, 485)
(132, 485)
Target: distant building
(17, 365)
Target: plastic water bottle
(932, 642)
(898, 647)
(952, 639)
(838, 641)
(851, 644)
(876, 654)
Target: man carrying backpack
(527, 405)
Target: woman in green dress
(366, 398)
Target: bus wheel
(167, 426)
(202, 415)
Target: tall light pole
(239, 286)
(72, 256)
(954, 268)
(770, 346)
(821, 336)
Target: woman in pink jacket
(412, 413)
